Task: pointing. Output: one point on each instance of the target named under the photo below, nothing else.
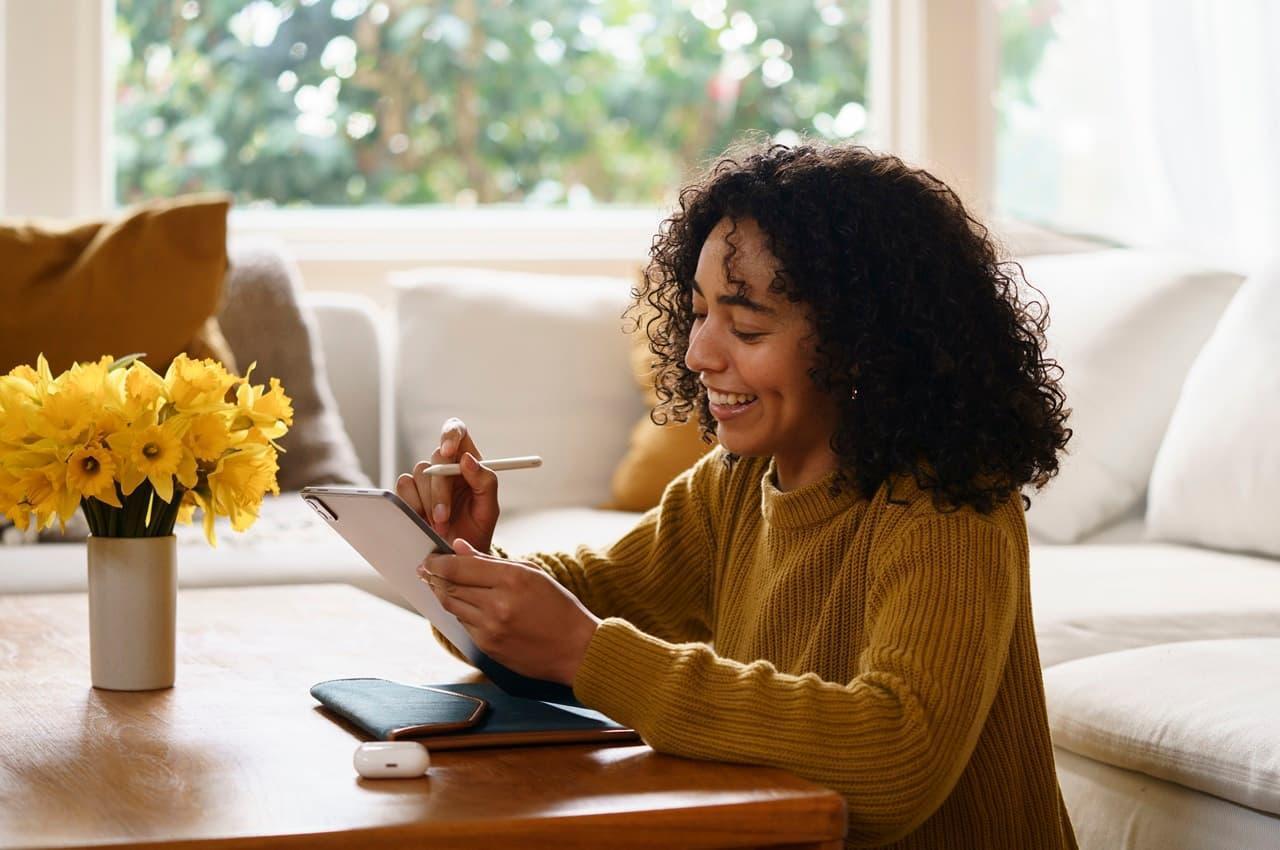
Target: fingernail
(441, 513)
(449, 447)
(469, 460)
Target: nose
(705, 353)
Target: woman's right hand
(455, 506)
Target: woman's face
(753, 353)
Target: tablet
(394, 540)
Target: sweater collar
(805, 506)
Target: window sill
(359, 250)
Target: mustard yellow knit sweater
(883, 650)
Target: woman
(855, 548)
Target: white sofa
(538, 365)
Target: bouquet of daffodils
(137, 451)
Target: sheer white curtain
(1154, 122)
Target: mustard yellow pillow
(150, 281)
(657, 453)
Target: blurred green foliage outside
(536, 102)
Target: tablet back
(388, 534)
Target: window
(1144, 122)
(1078, 145)
(572, 103)
(1028, 157)
(1069, 152)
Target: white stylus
(497, 464)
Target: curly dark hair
(911, 304)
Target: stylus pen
(497, 465)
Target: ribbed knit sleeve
(658, 576)
(893, 740)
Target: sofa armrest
(355, 342)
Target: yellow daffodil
(9, 495)
(207, 435)
(187, 510)
(43, 490)
(154, 452)
(33, 492)
(109, 421)
(20, 393)
(65, 414)
(199, 498)
(196, 386)
(85, 379)
(143, 389)
(32, 382)
(91, 472)
(64, 408)
(15, 413)
(240, 480)
(269, 411)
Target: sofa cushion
(264, 320)
(1216, 478)
(535, 364)
(1125, 326)
(1200, 713)
(1093, 599)
(1119, 809)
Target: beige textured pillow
(263, 319)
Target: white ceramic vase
(133, 600)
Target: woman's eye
(745, 336)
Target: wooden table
(238, 754)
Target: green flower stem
(91, 515)
(165, 516)
(135, 511)
(130, 520)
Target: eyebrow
(738, 300)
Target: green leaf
(122, 362)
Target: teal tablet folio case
(464, 715)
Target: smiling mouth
(729, 399)
(730, 405)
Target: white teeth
(729, 398)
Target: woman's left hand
(517, 614)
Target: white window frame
(933, 71)
(54, 96)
